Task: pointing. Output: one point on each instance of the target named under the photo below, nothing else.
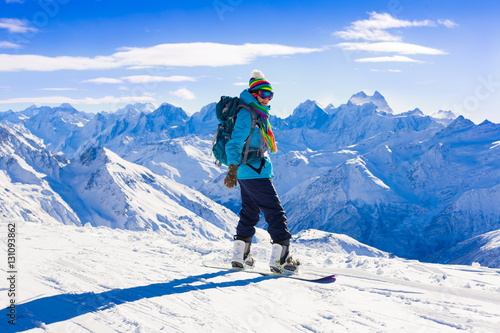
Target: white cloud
(202, 54)
(183, 93)
(9, 45)
(393, 47)
(396, 58)
(101, 80)
(57, 89)
(374, 29)
(16, 25)
(140, 79)
(386, 70)
(84, 101)
(153, 79)
(182, 54)
(373, 36)
(448, 23)
(29, 62)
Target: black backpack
(226, 111)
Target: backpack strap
(259, 169)
(247, 141)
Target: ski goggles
(265, 94)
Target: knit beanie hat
(257, 82)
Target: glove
(231, 177)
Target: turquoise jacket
(235, 146)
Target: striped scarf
(265, 126)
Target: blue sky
(102, 55)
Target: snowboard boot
(241, 252)
(281, 261)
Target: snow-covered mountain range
(410, 184)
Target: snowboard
(328, 278)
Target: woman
(255, 178)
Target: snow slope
(85, 279)
(107, 190)
(26, 171)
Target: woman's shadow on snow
(57, 308)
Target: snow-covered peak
(145, 108)
(66, 106)
(361, 98)
(414, 112)
(309, 115)
(441, 114)
(308, 106)
(55, 125)
(444, 117)
(30, 109)
(172, 113)
(460, 124)
(204, 121)
(358, 96)
(330, 109)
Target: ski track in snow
(81, 279)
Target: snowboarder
(255, 179)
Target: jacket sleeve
(235, 146)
